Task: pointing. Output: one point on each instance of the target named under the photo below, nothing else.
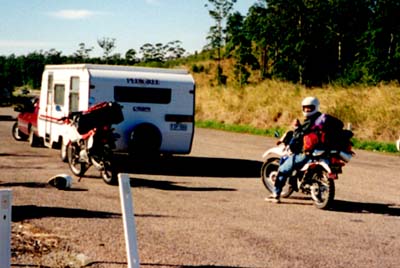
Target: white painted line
(128, 220)
(5, 228)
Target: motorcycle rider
(310, 108)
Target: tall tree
(256, 27)
(83, 53)
(379, 53)
(152, 53)
(160, 52)
(219, 10)
(174, 50)
(130, 56)
(346, 23)
(108, 45)
(239, 46)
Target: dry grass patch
(374, 112)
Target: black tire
(77, 168)
(269, 171)
(322, 190)
(17, 135)
(145, 141)
(109, 173)
(34, 141)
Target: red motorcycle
(91, 140)
(316, 178)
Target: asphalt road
(205, 209)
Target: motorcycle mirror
(276, 134)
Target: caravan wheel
(145, 140)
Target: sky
(27, 26)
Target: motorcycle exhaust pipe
(97, 165)
(345, 156)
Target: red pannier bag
(332, 134)
(310, 141)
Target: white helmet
(310, 102)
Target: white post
(128, 220)
(5, 228)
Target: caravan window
(50, 81)
(74, 84)
(49, 88)
(142, 94)
(74, 101)
(59, 93)
(74, 94)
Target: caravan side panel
(62, 90)
(158, 108)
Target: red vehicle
(26, 126)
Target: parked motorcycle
(316, 178)
(91, 140)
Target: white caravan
(158, 105)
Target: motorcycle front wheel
(109, 173)
(322, 190)
(78, 168)
(107, 161)
(269, 172)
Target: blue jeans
(285, 170)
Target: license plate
(178, 127)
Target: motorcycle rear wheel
(322, 190)
(269, 171)
(78, 168)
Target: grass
(261, 108)
(238, 128)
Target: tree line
(310, 42)
(26, 70)
(314, 42)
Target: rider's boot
(293, 183)
(275, 196)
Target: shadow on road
(25, 184)
(374, 208)
(37, 185)
(25, 155)
(172, 186)
(24, 212)
(191, 166)
(349, 206)
(7, 118)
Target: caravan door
(55, 110)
